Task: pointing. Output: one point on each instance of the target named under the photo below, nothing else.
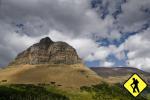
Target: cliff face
(48, 52)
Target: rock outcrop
(48, 52)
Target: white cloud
(74, 22)
(87, 48)
(100, 54)
(84, 46)
(108, 64)
(139, 50)
(14, 44)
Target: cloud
(129, 15)
(71, 17)
(24, 22)
(82, 45)
(139, 50)
(134, 14)
(108, 64)
(27, 21)
(87, 48)
(13, 44)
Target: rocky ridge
(48, 52)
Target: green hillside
(47, 92)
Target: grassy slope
(66, 76)
(77, 76)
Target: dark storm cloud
(5, 55)
(40, 16)
(134, 14)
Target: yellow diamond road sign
(135, 85)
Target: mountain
(48, 52)
(49, 62)
(119, 74)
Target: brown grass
(66, 76)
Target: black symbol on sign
(134, 85)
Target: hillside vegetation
(48, 92)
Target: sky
(105, 33)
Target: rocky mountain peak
(46, 40)
(48, 52)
